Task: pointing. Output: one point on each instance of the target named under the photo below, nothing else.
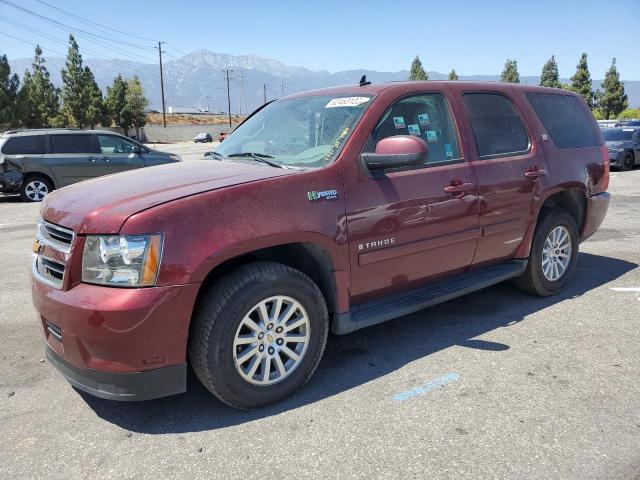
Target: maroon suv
(328, 210)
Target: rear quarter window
(24, 145)
(497, 127)
(565, 119)
(72, 144)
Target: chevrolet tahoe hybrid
(329, 210)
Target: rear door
(118, 154)
(406, 227)
(510, 169)
(72, 157)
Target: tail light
(605, 162)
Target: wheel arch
(571, 199)
(312, 259)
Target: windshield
(298, 132)
(617, 135)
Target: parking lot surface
(497, 384)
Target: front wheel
(553, 257)
(258, 334)
(627, 161)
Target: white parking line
(625, 289)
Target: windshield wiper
(258, 157)
(213, 154)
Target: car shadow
(354, 359)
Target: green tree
(116, 103)
(510, 72)
(549, 75)
(38, 99)
(75, 100)
(96, 111)
(612, 100)
(453, 75)
(137, 104)
(417, 72)
(630, 113)
(581, 81)
(8, 93)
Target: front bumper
(597, 207)
(120, 343)
(136, 386)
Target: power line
(29, 43)
(69, 27)
(57, 40)
(91, 23)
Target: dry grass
(186, 119)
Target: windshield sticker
(448, 151)
(346, 102)
(326, 194)
(398, 122)
(432, 136)
(423, 118)
(414, 130)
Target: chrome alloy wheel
(36, 190)
(271, 340)
(556, 253)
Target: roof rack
(20, 130)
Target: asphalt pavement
(494, 385)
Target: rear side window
(565, 120)
(71, 144)
(426, 116)
(497, 127)
(24, 145)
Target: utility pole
(282, 89)
(164, 118)
(228, 97)
(264, 91)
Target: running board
(399, 304)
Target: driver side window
(426, 116)
(113, 144)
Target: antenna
(363, 81)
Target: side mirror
(399, 152)
(137, 150)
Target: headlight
(621, 149)
(175, 157)
(122, 261)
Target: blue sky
(473, 37)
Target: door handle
(457, 187)
(91, 159)
(534, 173)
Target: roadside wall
(178, 133)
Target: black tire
(533, 279)
(627, 162)
(26, 194)
(216, 320)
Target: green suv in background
(35, 162)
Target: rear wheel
(35, 188)
(258, 334)
(553, 256)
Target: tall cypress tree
(453, 75)
(612, 100)
(417, 71)
(39, 99)
(549, 75)
(581, 81)
(116, 103)
(8, 93)
(510, 72)
(95, 105)
(75, 101)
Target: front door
(410, 226)
(510, 169)
(118, 154)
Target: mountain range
(198, 79)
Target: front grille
(50, 257)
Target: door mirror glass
(398, 152)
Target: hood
(618, 143)
(102, 205)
